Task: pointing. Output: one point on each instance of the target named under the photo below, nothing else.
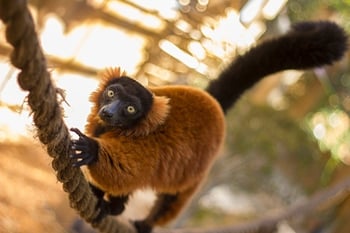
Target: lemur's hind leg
(109, 204)
(165, 208)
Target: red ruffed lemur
(166, 138)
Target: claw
(79, 163)
(80, 147)
(83, 150)
(78, 132)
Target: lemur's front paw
(84, 150)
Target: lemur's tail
(306, 45)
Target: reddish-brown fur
(170, 151)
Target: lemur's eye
(110, 93)
(131, 109)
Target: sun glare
(107, 46)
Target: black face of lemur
(124, 102)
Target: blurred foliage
(299, 10)
(330, 127)
(342, 7)
(328, 124)
(273, 141)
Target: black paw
(142, 227)
(117, 204)
(108, 208)
(84, 150)
(103, 206)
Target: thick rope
(47, 113)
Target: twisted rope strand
(47, 113)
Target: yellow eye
(110, 93)
(131, 109)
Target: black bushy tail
(307, 45)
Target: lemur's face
(124, 102)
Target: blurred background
(288, 137)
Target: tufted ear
(105, 76)
(110, 73)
